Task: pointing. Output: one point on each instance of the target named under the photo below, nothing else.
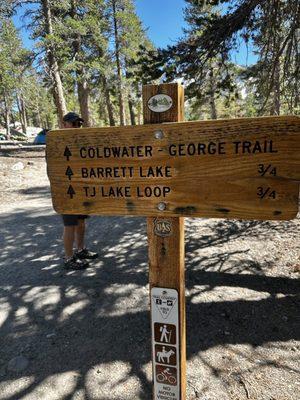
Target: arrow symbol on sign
(69, 173)
(67, 153)
(71, 191)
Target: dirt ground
(86, 335)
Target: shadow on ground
(36, 192)
(82, 321)
(20, 153)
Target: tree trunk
(22, 112)
(131, 111)
(27, 116)
(83, 90)
(47, 124)
(139, 112)
(212, 90)
(38, 115)
(277, 88)
(118, 62)
(7, 123)
(58, 93)
(7, 116)
(83, 98)
(24, 117)
(13, 120)
(108, 102)
(103, 114)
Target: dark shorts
(72, 220)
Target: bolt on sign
(165, 343)
(240, 168)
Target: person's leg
(69, 236)
(70, 224)
(82, 252)
(79, 232)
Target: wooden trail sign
(242, 168)
(166, 169)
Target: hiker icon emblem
(165, 333)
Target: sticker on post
(160, 103)
(165, 343)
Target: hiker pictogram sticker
(165, 333)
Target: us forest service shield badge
(162, 227)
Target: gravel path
(86, 335)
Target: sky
(164, 21)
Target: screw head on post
(161, 206)
(158, 134)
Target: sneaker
(86, 254)
(74, 263)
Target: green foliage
(18, 80)
(38, 100)
(271, 27)
(83, 43)
(101, 48)
(13, 62)
(12, 57)
(202, 57)
(7, 8)
(131, 39)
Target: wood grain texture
(212, 168)
(166, 254)
(175, 114)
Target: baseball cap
(72, 117)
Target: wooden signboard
(241, 168)
(167, 169)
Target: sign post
(166, 169)
(166, 265)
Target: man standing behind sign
(74, 225)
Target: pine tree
(272, 27)
(207, 80)
(14, 60)
(87, 54)
(49, 48)
(7, 8)
(82, 29)
(277, 72)
(39, 108)
(128, 34)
